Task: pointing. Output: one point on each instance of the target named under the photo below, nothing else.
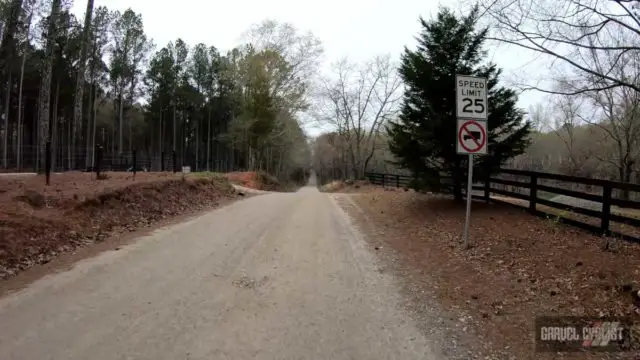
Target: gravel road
(275, 276)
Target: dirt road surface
(276, 276)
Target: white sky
(358, 29)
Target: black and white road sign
(472, 136)
(471, 97)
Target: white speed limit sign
(471, 97)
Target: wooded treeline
(589, 125)
(101, 81)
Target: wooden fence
(596, 208)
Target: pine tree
(423, 138)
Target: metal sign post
(471, 134)
(465, 234)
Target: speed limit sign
(471, 97)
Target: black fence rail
(31, 159)
(389, 179)
(604, 207)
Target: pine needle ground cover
(39, 222)
(519, 267)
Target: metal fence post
(162, 161)
(47, 161)
(397, 181)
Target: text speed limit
(471, 97)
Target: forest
(101, 81)
(587, 121)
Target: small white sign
(186, 169)
(472, 136)
(471, 97)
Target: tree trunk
(88, 159)
(5, 133)
(7, 46)
(208, 138)
(174, 126)
(197, 144)
(21, 82)
(45, 90)
(36, 134)
(161, 135)
(7, 50)
(130, 136)
(54, 131)
(93, 122)
(120, 121)
(89, 136)
(183, 138)
(77, 109)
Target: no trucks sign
(472, 137)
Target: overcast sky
(358, 29)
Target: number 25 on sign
(471, 97)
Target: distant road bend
(276, 276)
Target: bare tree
(569, 32)
(539, 117)
(616, 109)
(356, 102)
(617, 116)
(596, 46)
(79, 93)
(567, 122)
(26, 34)
(7, 53)
(45, 88)
(302, 53)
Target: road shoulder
(441, 327)
(518, 267)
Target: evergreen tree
(423, 138)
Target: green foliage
(216, 111)
(423, 138)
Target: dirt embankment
(259, 181)
(38, 222)
(519, 267)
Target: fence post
(397, 181)
(162, 161)
(175, 165)
(135, 163)
(606, 209)
(533, 193)
(383, 176)
(47, 162)
(98, 160)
